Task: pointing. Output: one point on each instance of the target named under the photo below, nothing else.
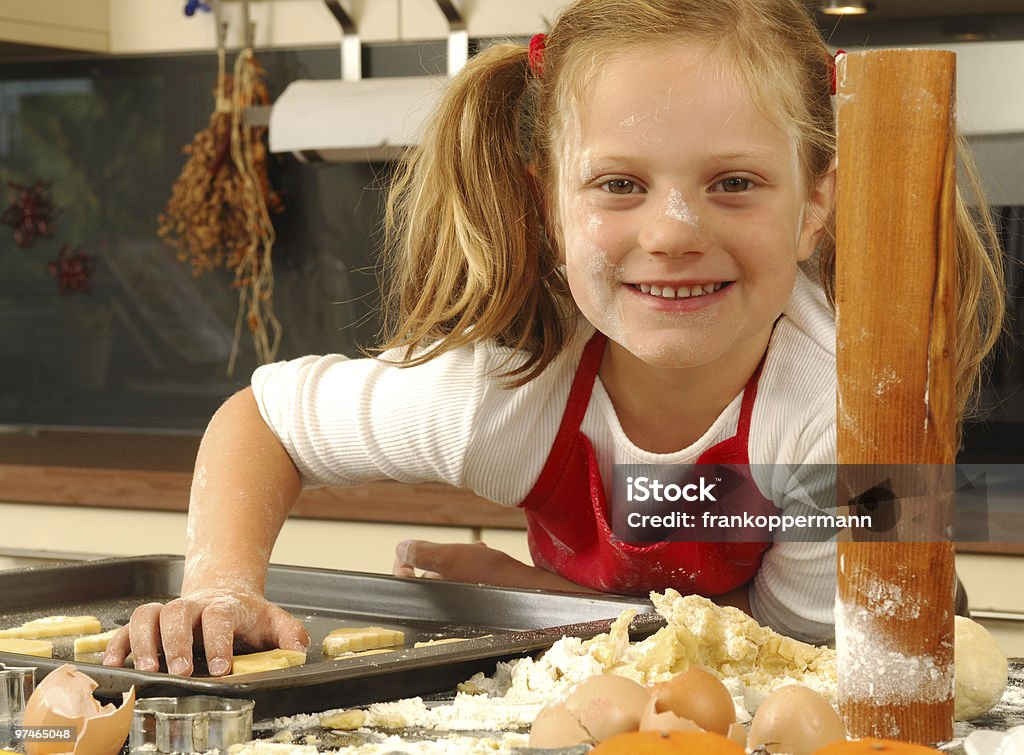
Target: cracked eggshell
(607, 705)
(796, 720)
(595, 709)
(555, 727)
(64, 698)
(696, 695)
(665, 721)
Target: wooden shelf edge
(389, 502)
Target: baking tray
(501, 624)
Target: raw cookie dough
(448, 640)
(38, 648)
(53, 626)
(980, 667)
(94, 643)
(268, 660)
(350, 639)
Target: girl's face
(683, 209)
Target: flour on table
(750, 659)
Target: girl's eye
(735, 185)
(620, 186)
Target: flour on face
(678, 209)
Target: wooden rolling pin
(895, 289)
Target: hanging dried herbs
(218, 214)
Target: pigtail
(468, 255)
(981, 305)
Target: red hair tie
(832, 70)
(536, 56)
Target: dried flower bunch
(218, 214)
(30, 212)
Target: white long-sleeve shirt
(349, 421)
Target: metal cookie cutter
(199, 723)
(16, 686)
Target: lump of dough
(981, 670)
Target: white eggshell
(64, 699)
(607, 705)
(795, 720)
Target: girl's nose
(671, 227)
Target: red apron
(567, 515)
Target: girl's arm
(244, 486)
(461, 562)
(474, 563)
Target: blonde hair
(471, 229)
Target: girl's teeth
(683, 292)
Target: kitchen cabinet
(79, 25)
(157, 26)
(354, 546)
(994, 596)
(512, 542)
(422, 19)
(137, 27)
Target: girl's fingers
(177, 620)
(422, 554)
(402, 569)
(286, 632)
(220, 619)
(455, 561)
(405, 553)
(118, 648)
(144, 636)
(219, 622)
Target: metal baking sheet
(501, 624)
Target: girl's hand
(216, 618)
(475, 563)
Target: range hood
(353, 119)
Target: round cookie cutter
(198, 723)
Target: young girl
(605, 252)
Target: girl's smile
(675, 296)
(684, 211)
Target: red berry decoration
(73, 269)
(30, 212)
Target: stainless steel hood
(347, 121)
(353, 119)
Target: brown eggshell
(697, 695)
(666, 721)
(795, 720)
(555, 726)
(607, 705)
(64, 698)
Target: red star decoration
(73, 269)
(30, 212)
